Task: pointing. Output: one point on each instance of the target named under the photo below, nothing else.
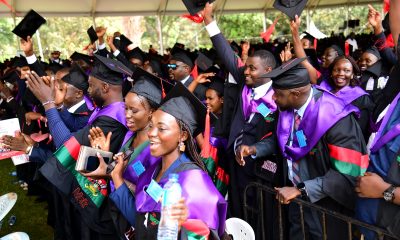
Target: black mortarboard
(109, 70)
(290, 75)
(182, 56)
(374, 51)
(20, 62)
(92, 34)
(147, 89)
(217, 84)
(163, 86)
(136, 53)
(54, 67)
(385, 24)
(311, 53)
(77, 78)
(195, 6)
(124, 42)
(80, 56)
(290, 7)
(337, 49)
(203, 62)
(28, 26)
(10, 77)
(309, 37)
(186, 107)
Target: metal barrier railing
(381, 233)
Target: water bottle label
(155, 191)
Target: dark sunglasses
(172, 66)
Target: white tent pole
(265, 21)
(308, 18)
(39, 44)
(160, 34)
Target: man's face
(284, 99)
(254, 70)
(177, 70)
(95, 91)
(136, 62)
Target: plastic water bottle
(168, 228)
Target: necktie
(295, 164)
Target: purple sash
(347, 94)
(142, 154)
(319, 116)
(217, 141)
(202, 198)
(114, 110)
(380, 140)
(249, 106)
(88, 102)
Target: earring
(182, 146)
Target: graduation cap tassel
(315, 43)
(346, 49)
(196, 18)
(162, 89)
(205, 150)
(195, 72)
(267, 34)
(386, 6)
(7, 5)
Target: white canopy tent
(97, 8)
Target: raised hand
(101, 31)
(203, 78)
(27, 46)
(286, 54)
(295, 25)
(207, 13)
(374, 17)
(245, 47)
(98, 140)
(43, 92)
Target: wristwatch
(302, 188)
(388, 194)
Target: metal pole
(39, 44)
(160, 34)
(308, 18)
(265, 21)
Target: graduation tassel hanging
(205, 150)
(162, 89)
(346, 49)
(194, 18)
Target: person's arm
(125, 202)
(299, 51)
(202, 78)
(72, 121)
(229, 58)
(34, 64)
(371, 185)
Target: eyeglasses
(173, 66)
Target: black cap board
(337, 49)
(20, 62)
(290, 7)
(164, 86)
(92, 34)
(182, 55)
(77, 78)
(373, 50)
(195, 6)
(203, 62)
(28, 26)
(80, 56)
(186, 107)
(109, 70)
(290, 75)
(309, 37)
(124, 42)
(136, 53)
(11, 77)
(217, 84)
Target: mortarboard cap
(54, 67)
(203, 62)
(289, 75)
(28, 26)
(309, 37)
(77, 78)
(20, 62)
(10, 77)
(124, 42)
(109, 70)
(217, 84)
(337, 49)
(182, 56)
(163, 86)
(195, 6)
(92, 34)
(80, 56)
(290, 7)
(186, 107)
(136, 53)
(373, 50)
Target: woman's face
(164, 134)
(342, 73)
(213, 101)
(137, 112)
(367, 60)
(329, 56)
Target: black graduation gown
(366, 106)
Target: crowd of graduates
(311, 119)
